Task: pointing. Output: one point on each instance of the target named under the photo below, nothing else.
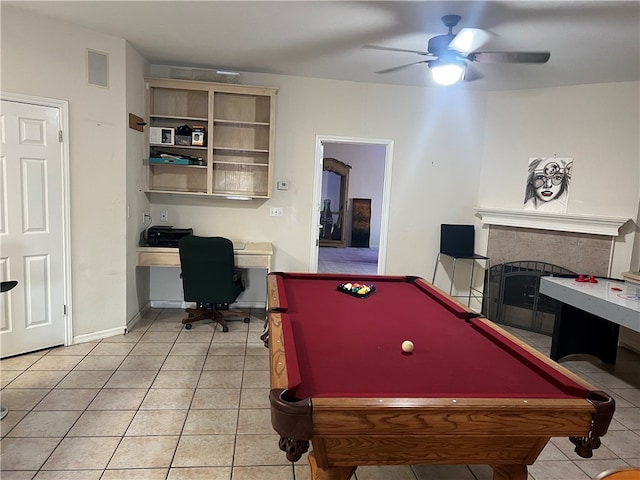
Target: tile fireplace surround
(578, 252)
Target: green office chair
(210, 279)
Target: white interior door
(31, 228)
(321, 140)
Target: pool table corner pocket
(291, 419)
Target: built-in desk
(251, 255)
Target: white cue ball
(407, 346)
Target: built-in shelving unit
(236, 159)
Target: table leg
(264, 336)
(578, 331)
(332, 473)
(509, 472)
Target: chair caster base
(187, 326)
(247, 319)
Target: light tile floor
(163, 402)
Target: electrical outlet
(145, 217)
(164, 216)
(276, 212)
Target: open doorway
(362, 214)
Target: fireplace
(524, 245)
(513, 295)
(520, 256)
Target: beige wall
(47, 58)
(597, 125)
(137, 283)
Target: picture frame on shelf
(162, 136)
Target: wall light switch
(276, 212)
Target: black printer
(166, 236)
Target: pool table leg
(509, 472)
(332, 473)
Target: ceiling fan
(447, 55)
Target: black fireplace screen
(513, 295)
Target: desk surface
(252, 255)
(612, 300)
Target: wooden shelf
(176, 165)
(233, 149)
(218, 121)
(173, 117)
(188, 147)
(239, 124)
(242, 163)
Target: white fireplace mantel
(552, 221)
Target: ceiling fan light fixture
(446, 73)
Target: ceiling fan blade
(390, 49)
(471, 74)
(509, 57)
(469, 40)
(394, 69)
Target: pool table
(468, 393)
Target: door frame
(63, 110)
(317, 193)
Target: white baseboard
(136, 318)
(169, 304)
(183, 305)
(90, 337)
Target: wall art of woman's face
(548, 182)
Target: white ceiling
(589, 41)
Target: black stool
(457, 242)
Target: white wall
(47, 58)
(596, 125)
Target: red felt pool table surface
(349, 346)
